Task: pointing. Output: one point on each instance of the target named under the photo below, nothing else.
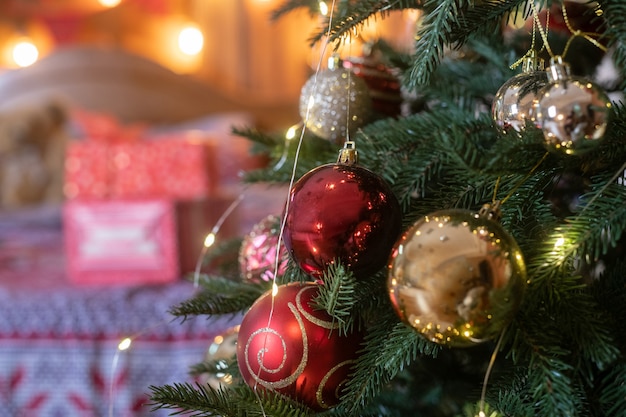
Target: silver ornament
(335, 103)
(456, 277)
(572, 111)
(513, 103)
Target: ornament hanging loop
(491, 211)
(348, 155)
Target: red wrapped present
(121, 241)
(170, 168)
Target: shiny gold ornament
(513, 104)
(573, 112)
(457, 277)
(334, 103)
(223, 352)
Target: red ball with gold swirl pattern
(287, 346)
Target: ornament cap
(558, 69)
(348, 155)
(334, 62)
(532, 62)
(491, 211)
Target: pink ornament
(259, 249)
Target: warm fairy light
(190, 40)
(274, 289)
(323, 8)
(109, 3)
(311, 103)
(209, 240)
(124, 344)
(25, 53)
(291, 133)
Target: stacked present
(137, 208)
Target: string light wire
(287, 201)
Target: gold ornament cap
(348, 155)
(532, 62)
(558, 69)
(491, 211)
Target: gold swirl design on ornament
(289, 380)
(325, 324)
(319, 393)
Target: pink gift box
(121, 241)
(168, 168)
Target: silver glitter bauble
(572, 111)
(457, 277)
(334, 104)
(513, 103)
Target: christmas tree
(460, 254)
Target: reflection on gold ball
(456, 277)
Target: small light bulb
(190, 40)
(124, 344)
(274, 289)
(25, 53)
(323, 8)
(209, 240)
(291, 133)
(109, 3)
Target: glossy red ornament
(286, 346)
(344, 212)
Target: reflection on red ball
(286, 346)
(342, 212)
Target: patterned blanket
(59, 352)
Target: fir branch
(615, 31)
(389, 347)
(205, 401)
(599, 226)
(612, 391)
(220, 296)
(432, 36)
(351, 16)
(194, 401)
(289, 6)
(551, 388)
(213, 367)
(336, 296)
(486, 18)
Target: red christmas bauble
(259, 250)
(383, 84)
(286, 346)
(341, 212)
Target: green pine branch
(205, 401)
(336, 296)
(389, 347)
(219, 296)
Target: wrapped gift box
(170, 168)
(121, 241)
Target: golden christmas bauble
(457, 277)
(334, 104)
(222, 352)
